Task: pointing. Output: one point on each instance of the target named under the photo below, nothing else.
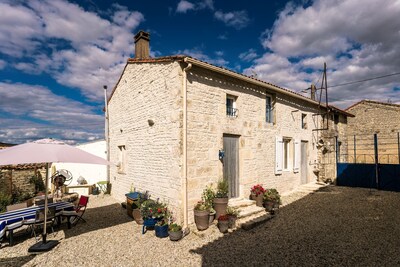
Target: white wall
(93, 173)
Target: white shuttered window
(297, 155)
(278, 155)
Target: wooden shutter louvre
(278, 155)
(297, 155)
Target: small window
(303, 121)
(336, 118)
(121, 159)
(231, 110)
(268, 109)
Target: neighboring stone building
(373, 117)
(170, 119)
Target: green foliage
(153, 209)
(174, 227)
(272, 195)
(222, 189)
(162, 222)
(232, 211)
(201, 206)
(5, 200)
(143, 196)
(208, 196)
(37, 181)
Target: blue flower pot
(161, 231)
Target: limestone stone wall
(208, 122)
(146, 117)
(18, 179)
(374, 117)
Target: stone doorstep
(241, 202)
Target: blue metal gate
(367, 174)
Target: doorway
(304, 162)
(231, 164)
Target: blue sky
(55, 56)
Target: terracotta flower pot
(220, 205)
(269, 205)
(259, 200)
(232, 221)
(201, 218)
(223, 226)
(211, 217)
(137, 216)
(175, 236)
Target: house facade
(178, 124)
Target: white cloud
(3, 64)
(357, 41)
(249, 55)
(96, 48)
(184, 6)
(30, 111)
(235, 19)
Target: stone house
(178, 124)
(373, 117)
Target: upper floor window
(231, 109)
(303, 121)
(268, 109)
(121, 159)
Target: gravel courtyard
(335, 226)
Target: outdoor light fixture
(221, 154)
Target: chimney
(142, 44)
(313, 90)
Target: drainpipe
(185, 191)
(106, 132)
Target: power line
(353, 82)
(365, 80)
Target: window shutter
(278, 155)
(297, 155)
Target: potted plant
(201, 215)
(136, 204)
(161, 228)
(221, 198)
(272, 199)
(257, 192)
(233, 214)
(208, 197)
(223, 223)
(175, 232)
(147, 210)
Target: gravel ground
(336, 226)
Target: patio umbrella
(46, 151)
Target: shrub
(222, 189)
(5, 200)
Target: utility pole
(106, 131)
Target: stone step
(250, 210)
(242, 202)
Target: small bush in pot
(175, 232)
(208, 198)
(272, 199)
(233, 214)
(257, 192)
(221, 198)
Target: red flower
(158, 210)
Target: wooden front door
(304, 163)
(231, 164)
